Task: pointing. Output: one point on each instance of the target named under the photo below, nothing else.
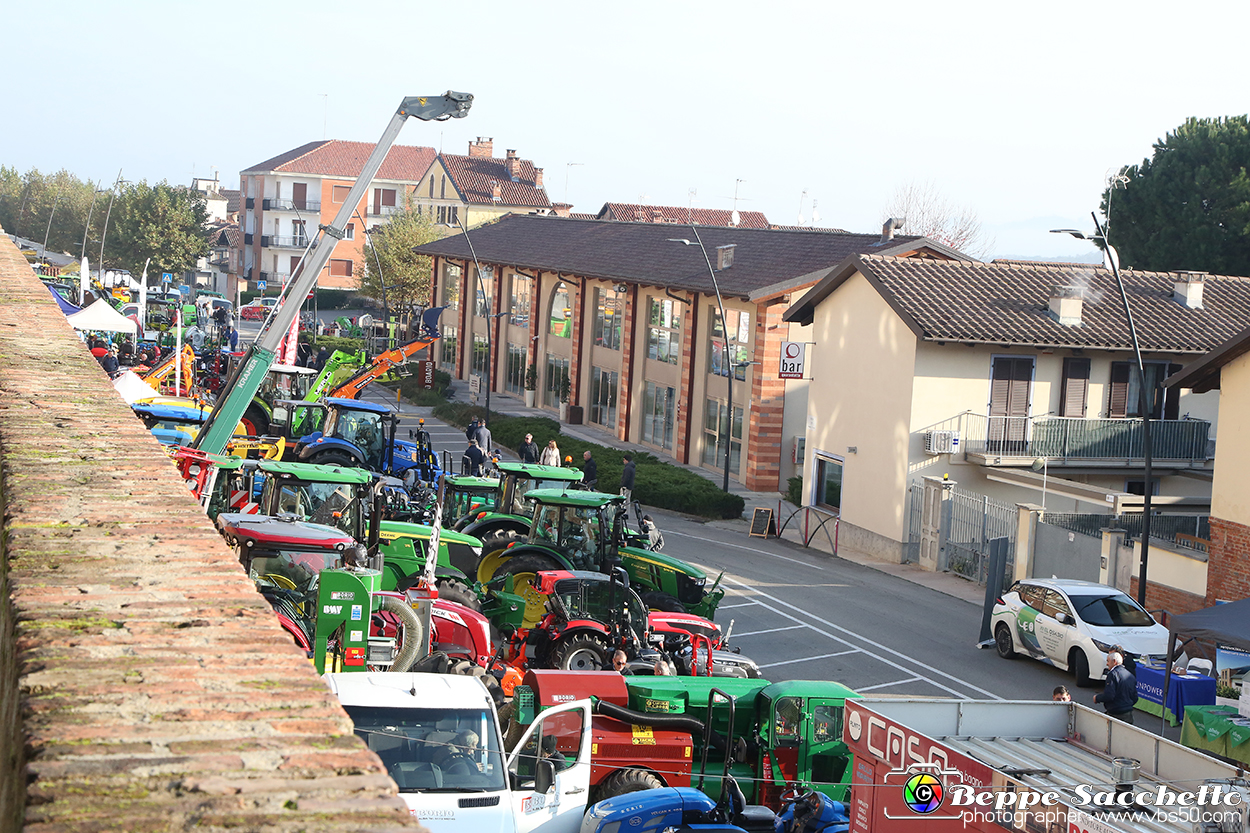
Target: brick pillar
(466, 338)
(685, 392)
(536, 294)
(575, 354)
(1228, 561)
(766, 404)
(625, 387)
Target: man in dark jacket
(528, 451)
(323, 355)
(1120, 692)
(590, 470)
(473, 460)
(627, 477)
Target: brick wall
(688, 411)
(1163, 597)
(768, 402)
(146, 685)
(1228, 561)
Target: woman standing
(550, 455)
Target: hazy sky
(1018, 111)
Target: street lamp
(1111, 260)
(724, 326)
(1042, 464)
(104, 233)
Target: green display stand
(1211, 729)
(1144, 705)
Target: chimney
(1065, 305)
(496, 190)
(514, 166)
(1187, 290)
(561, 209)
(484, 148)
(890, 226)
(657, 215)
(725, 256)
(538, 177)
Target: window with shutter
(1075, 390)
(1011, 377)
(1117, 401)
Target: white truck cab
(438, 736)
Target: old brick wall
(1228, 561)
(146, 685)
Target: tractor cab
(518, 479)
(577, 524)
(464, 496)
(352, 433)
(330, 495)
(802, 724)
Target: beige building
(980, 372)
(1227, 369)
(476, 188)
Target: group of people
(476, 455)
(529, 452)
(117, 355)
(1118, 694)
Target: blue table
(1183, 690)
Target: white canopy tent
(101, 316)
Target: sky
(1017, 111)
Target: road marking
(770, 630)
(809, 659)
(748, 549)
(887, 685)
(933, 671)
(731, 607)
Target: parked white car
(1073, 625)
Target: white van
(438, 735)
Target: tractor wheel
(1080, 668)
(454, 590)
(493, 546)
(334, 457)
(659, 600)
(581, 653)
(524, 570)
(628, 781)
(1002, 641)
(255, 421)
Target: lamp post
(1111, 259)
(724, 326)
(1042, 464)
(104, 233)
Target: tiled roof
(1008, 304)
(331, 157)
(234, 199)
(230, 236)
(635, 213)
(577, 215)
(810, 229)
(765, 261)
(473, 175)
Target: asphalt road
(805, 615)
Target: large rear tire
(334, 457)
(255, 420)
(493, 546)
(581, 653)
(455, 590)
(628, 781)
(659, 600)
(524, 570)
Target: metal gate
(971, 521)
(915, 508)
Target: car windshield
(434, 750)
(1114, 611)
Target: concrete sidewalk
(785, 513)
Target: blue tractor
(362, 435)
(685, 808)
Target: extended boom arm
(246, 380)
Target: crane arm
(380, 366)
(246, 380)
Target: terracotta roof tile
(473, 177)
(234, 200)
(332, 157)
(676, 215)
(996, 303)
(641, 252)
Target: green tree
(388, 260)
(1188, 206)
(162, 222)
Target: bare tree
(928, 213)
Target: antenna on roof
(734, 217)
(325, 114)
(802, 197)
(690, 205)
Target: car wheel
(1080, 668)
(1002, 641)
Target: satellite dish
(1111, 258)
(735, 218)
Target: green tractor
(578, 530)
(506, 518)
(463, 496)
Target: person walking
(528, 450)
(627, 478)
(473, 460)
(483, 437)
(323, 356)
(1120, 692)
(109, 361)
(470, 433)
(550, 455)
(590, 470)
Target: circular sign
(923, 793)
(793, 349)
(854, 725)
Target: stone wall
(145, 684)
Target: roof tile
(404, 163)
(636, 213)
(474, 176)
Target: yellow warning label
(643, 736)
(594, 749)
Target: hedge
(656, 483)
(411, 389)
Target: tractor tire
(494, 689)
(659, 600)
(524, 570)
(1080, 668)
(334, 457)
(454, 590)
(493, 545)
(255, 421)
(628, 781)
(1003, 643)
(581, 653)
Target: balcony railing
(1073, 440)
(383, 210)
(288, 242)
(291, 205)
